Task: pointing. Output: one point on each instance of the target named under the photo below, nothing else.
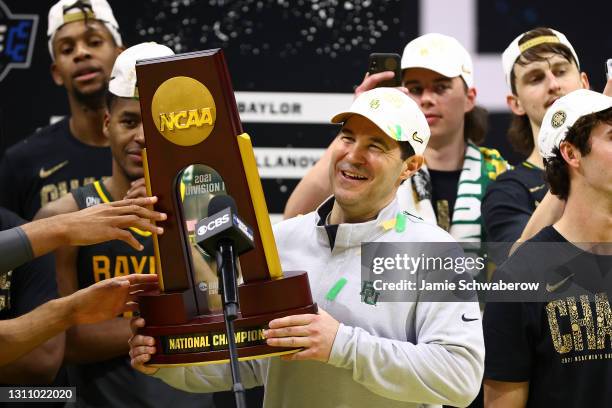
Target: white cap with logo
(439, 53)
(394, 113)
(564, 112)
(123, 77)
(67, 11)
(514, 50)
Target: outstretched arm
(99, 223)
(101, 301)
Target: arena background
(294, 63)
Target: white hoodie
(392, 354)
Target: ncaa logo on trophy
(217, 254)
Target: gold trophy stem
(158, 267)
(259, 204)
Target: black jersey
(47, 165)
(443, 195)
(114, 383)
(562, 347)
(510, 200)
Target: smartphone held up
(381, 62)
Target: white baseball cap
(514, 50)
(123, 77)
(67, 11)
(564, 112)
(439, 53)
(394, 113)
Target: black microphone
(223, 224)
(223, 233)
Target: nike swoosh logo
(467, 319)
(46, 173)
(416, 137)
(536, 188)
(553, 287)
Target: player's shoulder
(42, 139)
(63, 205)
(525, 175)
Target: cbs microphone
(225, 235)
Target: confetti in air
(329, 28)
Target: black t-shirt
(563, 347)
(27, 286)
(47, 165)
(444, 194)
(510, 200)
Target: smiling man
(438, 75)
(356, 353)
(83, 42)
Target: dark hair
(406, 150)
(110, 98)
(579, 135)
(519, 132)
(475, 124)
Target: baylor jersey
(112, 258)
(114, 383)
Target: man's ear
(106, 124)
(584, 80)
(571, 154)
(471, 99)
(411, 165)
(515, 105)
(57, 78)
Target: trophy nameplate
(195, 149)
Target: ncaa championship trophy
(196, 153)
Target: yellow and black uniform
(47, 165)
(114, 383)
(112, 258)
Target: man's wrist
(60, 229)
(63, 309)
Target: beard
(93, 100)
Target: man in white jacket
(356, 352)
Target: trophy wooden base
(201, 340)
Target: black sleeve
(506, 209)
(15, 249)
(33, 284)
(506, 335)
